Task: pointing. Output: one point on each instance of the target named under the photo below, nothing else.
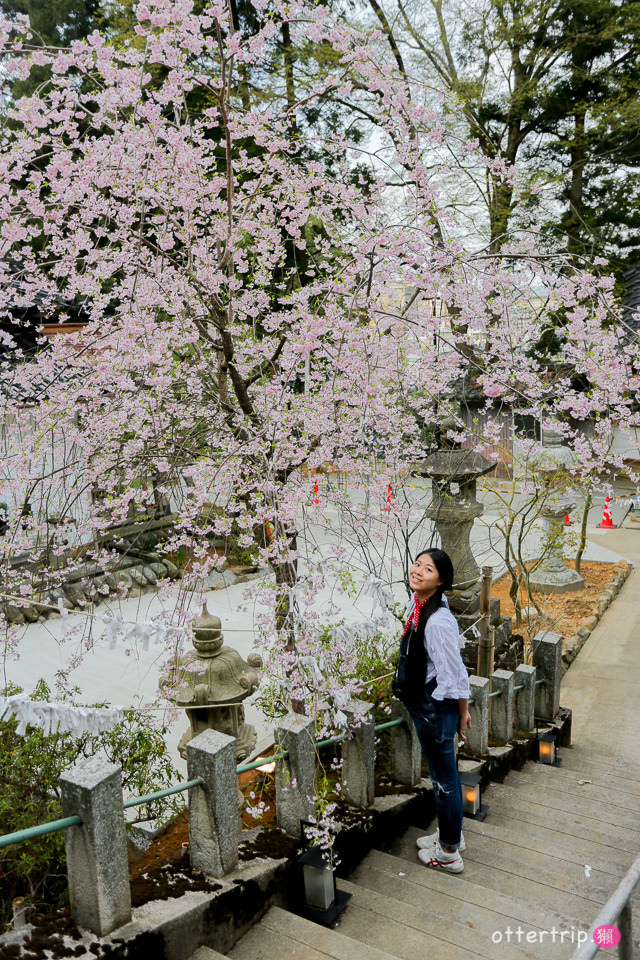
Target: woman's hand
(465, 724)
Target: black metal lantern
(548, 748)
(472, 805)
(324, 902)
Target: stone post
(547, 659)
(525, 699)
(296, 774)
(213, 808)
(358, 755)
(502, 706)
(478, 736)
(406, 755)
(97, 864)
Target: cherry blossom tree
(238, 272)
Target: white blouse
(442, 643)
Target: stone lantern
(212, 682)
(552, 575)
(453, 472)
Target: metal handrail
(617, 908)
(39, 830)
(54, 826)
(244, 767)
(30, 833)
(159, 794)
(497, 693)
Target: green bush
(30, 769)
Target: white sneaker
(439, 860)
(433, 839)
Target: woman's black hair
(442, 563)
(410, 676)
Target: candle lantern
(472, 805)
(548, 749)
(324, 902)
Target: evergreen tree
(56, 23)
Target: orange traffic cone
(566, 522)
(316, 491)
(607, 521)
(389, 497)
(269, 532)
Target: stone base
(552, 584)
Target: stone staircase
(526, 868)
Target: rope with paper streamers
(58, 717)
(115, 625)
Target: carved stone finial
(207, 631)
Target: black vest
(411, 673)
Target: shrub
(30, 769)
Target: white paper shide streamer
(58, 717)
(382, 596)
(141, 632)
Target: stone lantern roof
(221, 675)
(460, 465)
(453, 462)
(552, 457)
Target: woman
(432, 682)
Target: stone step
(470, 927)
(533, 780)
(591, 811)
(207, 953)
(545, 839)
(580, 760)
(507, 905)
(374, 919)
(513, 879)
(524, 863)
(565, 775)
(522, 810)
(281, 935)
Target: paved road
(602, 686)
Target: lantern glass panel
(546, 751)
(470, 799)
(471, 794)
(318, 886)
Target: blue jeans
(436, 723)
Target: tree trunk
(286, 577)
(287, 52)
(576, 190)
(583, 533)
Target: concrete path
(602, 686)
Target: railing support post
(547, 659)
(296, 774)
(478, 736)
(525, 699)
(486, 641)
(213, 807)
(358, 755)
(502, 706)
(97, 864)
(406, 755)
